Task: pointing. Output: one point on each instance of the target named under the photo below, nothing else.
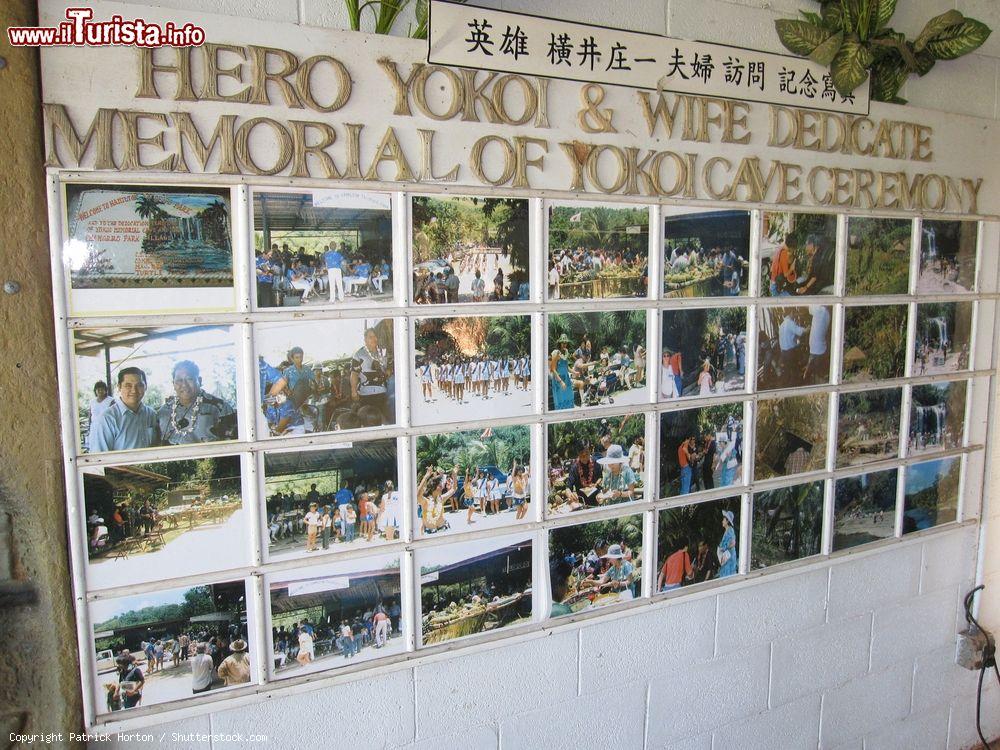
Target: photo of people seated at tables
(337, 498)
(325, 376)
(706, 254)
(701, 449)
(947, 257)
(797, 254)
(183, 517)
(597, 359)
(793, 347)
(704, 353)
(168, 386)
(937, 416)
(595, 564)
(469, 250)
(335, 615)
(787, 524)
(322, 248)
(474, 587)
(942, 339)
(864, 508)
(597, 251)
(473, 367)
(473, 479)
(697, 544)
(165, 646)
(596, 462)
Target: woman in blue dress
(729, 563)
(562, 385)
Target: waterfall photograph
(947, 257)
(937, 416)
(942, 339)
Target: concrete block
(948, 559)
(471, 738)
(793, 726)
(614, 718)
(724, 23)
(488, 686)
(987, 11)
(636, 15)
(962, 727)
(927, 731)
(266, 10)
(872, 581)
(759, 613)
(657, 640)
(866, 704)
(348, 711)
(966, 86)
(175, 735)
(695, 742)
(819, 659)
(938, 678)
(699, 698)
(916, 627)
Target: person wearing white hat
(618, 480)
(729, 563)
(619, 576)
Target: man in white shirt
(789, 333)
(201, 670)
(553, 280)
(818, 367)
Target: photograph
(151, 387)
(797, 253)
(469, 249)
(944, 330)
(793, 347)
(596, 564)
(597, 359)
(697, 544)
(704, 353)
(169, 645)
(319, 248)
(874, 343)
(330, 616)
(706, 254)
(340, 497)
(937, 416)
(468, 478)
(477, 361)
(144, 248)
(868, 426)
(168, 519)
(931, 493)
(474, 587)
(787, 524)
(596, 462)
(597, 251)
(325, 375)
(947, 257)
(878, 255)
(701, 449)
(864, 509)
(791, 435)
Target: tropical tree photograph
(931, 493)
(787, 524)
(878, 255)
(701, 449)
(791, 435)
(868, 426)
(874, 342)
(693, 540)
(704, 352)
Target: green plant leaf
(813, 18)
(888, 77)
(925, 61)
(937, 25)
(850, 67)
(833, 15)
(885, 10)
(959, 40)
(852, 14)
(800, 37)
(825, 52)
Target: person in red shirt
(677, 366)
(676, 568)
(783, 272)
(686, 457)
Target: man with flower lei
(191, 415)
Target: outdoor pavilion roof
(477, 566)
(294, 212)
(363, 458)
(133, 476)
(92, 342)
(365, 587)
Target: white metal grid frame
(260, 569)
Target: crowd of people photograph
(473, 477)
(597, 359)
(331, 499)
(930, 493)
(342, 379)
(864, 508)
(596, 462)
(149, 387)
(334, 615)
(793, 347)
(697, 543)
(597, 251)
(797, 252)
(944, 330)
(474, 587)
(787, 524)
(937, 416)
(595, 564)
(874, 343)
(706, 254)
(878, 255)
(323, 247)
(168, 645)
(469, 250)
(791, 435)
(477, 365)
(704, 353)
(701, 449)
(868, 426)
(947, 257)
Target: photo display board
(325, 426)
